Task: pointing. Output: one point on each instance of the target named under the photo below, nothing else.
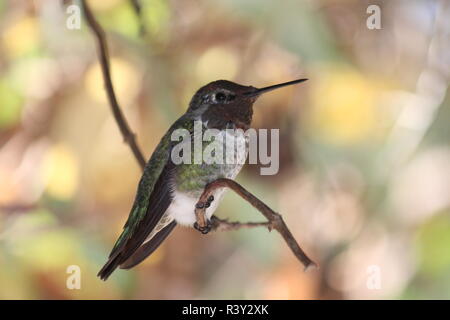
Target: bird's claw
(204, 205)
(205, 229)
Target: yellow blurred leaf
(60, 170)
(21, 37)
(104, 5)
(125, 79)
(344, 107)
(156, 15)
(11, 103)
(50, 250)
(217, 63)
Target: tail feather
(148, 248)
(111, 265)
(118, 260)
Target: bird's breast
(191, 179)
(218, 160)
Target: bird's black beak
(257, 92)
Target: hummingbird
(167, 192)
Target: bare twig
(225, 225)
(275, 220)
(125, 130)
(138, 10)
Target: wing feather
(153, 197)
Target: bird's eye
(220, 97)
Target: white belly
(182, 208)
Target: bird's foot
(203, 224)
(206, 204)
(204, 229)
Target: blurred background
(364, 147)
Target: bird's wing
(153, 197)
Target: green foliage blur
(364, 147)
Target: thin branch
(224, 225)
(102, 46)
(275, 221)
(136, 4)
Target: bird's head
(223, 102)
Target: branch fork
(275, 220)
